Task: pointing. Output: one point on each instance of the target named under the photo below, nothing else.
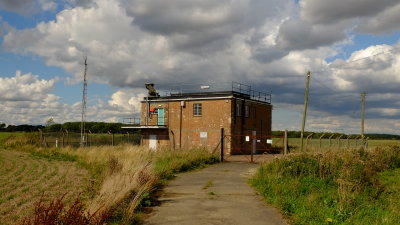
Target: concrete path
(218, 194)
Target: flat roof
(144, 127)
(209, 95)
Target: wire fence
(326, 144)
(64, 139)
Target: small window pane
(246, 111)
(197, 109)
(238, 110)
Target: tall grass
(339, 187)
(125, 175)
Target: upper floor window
(238, 109)
(197, 109)
(246, 111)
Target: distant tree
(50, 121)
(2, 126)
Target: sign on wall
(203, 134)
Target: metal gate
(250, 147)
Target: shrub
(314, 187)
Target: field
(111, 182)
(24, 178)
(314, 144)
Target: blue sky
(131, 42)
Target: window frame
(246, 111)
(238, 109)
(197, 109)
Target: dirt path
(218, 194)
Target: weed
(208, 185)
(314, 187)
(56, 212)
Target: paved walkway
(218, 194)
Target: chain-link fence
(65, 138)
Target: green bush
(335, 187)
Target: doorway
(153, 141)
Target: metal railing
(252, 94)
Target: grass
(124, 177)
(208, 184)
(313, 144)
(337, 187)
(24, 178)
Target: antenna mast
(84, 97)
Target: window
(246, 111)
(197, 109)
(238, 109)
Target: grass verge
(126, 176)
(354, 187)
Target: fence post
(285, 143)
(62, 139)
(330, 141)
(254, 145)
(66, 131)
(41, 136)
(307, 140)
(222, 145)
(348, 141)
(339, 145)
(320, 142)
(356, 141)
(366, 143)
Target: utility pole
(363, 94)
(84, 97)
(305, 110)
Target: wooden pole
(222, 145)
(305, 110)
(363, 94)
(285, 143)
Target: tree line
(94, 127)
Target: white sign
(247, 138)
(269, 141)
(203, 134)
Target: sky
(349, 46)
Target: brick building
(187, 120)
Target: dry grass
(24, 178)
(127, 174)
(122, 175)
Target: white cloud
(270, 44)
(24, 98)
(24, 87)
